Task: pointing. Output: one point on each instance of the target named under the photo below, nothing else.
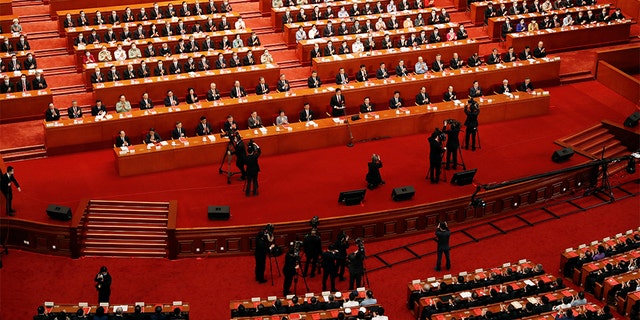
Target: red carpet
(507, 153)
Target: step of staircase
(595, 141)
(116, 252)
(24, 153)
(577, 76)
(35, 18)
(586, 135)
(138, 219)
(97, 233)
(80, 88)
(596, 149)
(126, 243)
(26, 3)
(51, 52)
(35, 35)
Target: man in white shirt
(351, 303)
(421, 66)
(240, 25)
(379, 314)
(357, 46)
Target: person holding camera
(442, 236)
(240, 152)
(341, 244)
(289, 269)
(312, 246)
(435, 155)
(453, 142)
(329, 267)
(103, 285)
(472, 110)
(356, 268)
(374, 179)
(251, 161)
(263, 246)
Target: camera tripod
(295, 277)
(271, 267)
(455, 164)
(442, 172)
(3, 242)
(228, 155)
(466, 145)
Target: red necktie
(24, 86)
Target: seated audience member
(462, 33)
(526, 86)
(52, 114)
(113, 74)
(122, 140)
(401, 69)
(617, 15)
(97, 76)
(130, 73)
(351, 302)
(213, 93)
(366, 106)
(314, 81)
(362, 75)
(510, 56)
(145, 102)
(494, 57)
(382, 72)
(283, 84)
(526, 54)
(282, 118)
(450, 95)
(475, 91)
(203, 64)
(254, 120)
(30, 62)
(396, 102)
(266, 57)
(175, 67)
(342, 77)
(369, 299)
(192, 97)
(456, 62)
(6, 86)
(338, 104)
(23, 84)
(160, 70)
(101, 314)
(422, 98)
(203, 128)
(99, 109)
(504, 88)
(248, 60)
(540, 51)
(437, 65)
(178, 132)
(177, 314)
(221, 63)
(39, 83)
(238, 91)
(474, 60)
(143, 71)
(421, 66)
(157, 314)
(229, 125)
(104, 55)
(74, 111)
(170, 100)
(123, 105)
(262, 87)
(379, 314)
(306, 114)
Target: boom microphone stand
(350, 143)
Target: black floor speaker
(632, 120)
(562, 155)
(218, 212)
(57, 212)
(403, 193)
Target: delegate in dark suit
(472, 111)
(203, 129)
(442, 234)
(435, 157)
(7, 189)
(251, 162)
(453, 142)
(337, 105)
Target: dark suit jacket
(524, 87)
(72, 115)
(283, 85)
(20, 86)
(120, 142)
(262, 89)
(247, 62)
(234, 92)
(212, 96)
(175, 134)
(167, 101)
(472, 118)
(143, 73)
(434, 37)
(95, 110)
(449, 96)
(382, 74)
(340, 80)
(436, 67)
(203, 130)
(113, 77)
(145, 104)
(422, 100)
(221, 64)
(156, 137)
(129, 74)
(362, 76)
(5, 182)
(502, 89)
(329, 51)
(365, 108)
(474, 93)
(392, 103)
(443, 239)
(39, 84)
(48, 115)
(337, 105)
(314, 83)
(175, 68)
(304, 117)
(493, 59)
(401, 71)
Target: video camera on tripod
(360, 244)
(274, 250)
(440, 135)
(314, 222)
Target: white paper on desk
(336, 120)
(124, 308)
(532, 300)
(211, 137)
(465, 295)
(263, 130)
(457, 102)
(532, 60)
(164, 143)
(516, 304)
(529, 282)
(124, 148)
(435, 284)
(350, 56)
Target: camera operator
(435, 155)
(240, 152)
(329, 267)
(442, 236)
(453, 142)
(291, 264)
(472, 110)
(342, 244)
(103, 284)
(374, 179)
(251, 161)
(264, 243)
(312, 246)
(356, 266)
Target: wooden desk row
(290, 29)
(587, 268)
(152, 62)
(135, 9)
(21, 106)
(494, 25)
(311, 315)
(602, 290)
(571, 253)
(6, 7)
(21, 55)
(6, 20)
(109, 92)
(278, 13)
(478, 8)
(497, 307)
(305, 47)
(418, 285)
(515, 285)
(141, 44)
(632, 299)
(565, 38)
(576, 312)
(328, 67)
(324, 297)
(16, 75)
(147, 308)
(72, 33)
(198, 151)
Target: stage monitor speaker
(403, 193)
(57, 212)
(562, 155)
(632, 120)
(352, 197)
(218, 212)
(464, 177)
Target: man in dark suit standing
(263, 243)
(103, 284)
(7, 189)
(337, 104)
(329, 268)
(442, 234)
(435, 156)
(452, 129)
(472, 111)
(251, 162)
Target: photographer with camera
(435, 155)
(451, 128)
(264, 244)
(103, 284)
(251, 161)
(356, 266)
(329, 267)
(291, 264)
(442, 236)
(472, 110)
(240, 151)
(342, 244)
(374, 179)
(312, 246)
